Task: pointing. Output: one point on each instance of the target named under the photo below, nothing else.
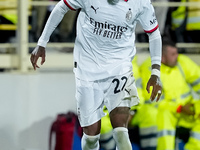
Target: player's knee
(90, 142)
(119, 116)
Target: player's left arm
(147, 19)
(155, 45)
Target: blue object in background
(77, 141)
(135, 146)
(181, 145)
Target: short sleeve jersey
(104, 45)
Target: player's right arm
(54, 19)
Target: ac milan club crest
(129, 15)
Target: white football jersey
(105, 39)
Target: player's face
(171, 56)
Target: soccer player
(103, 53)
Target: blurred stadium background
(30, 100)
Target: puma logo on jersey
(128, 91)
(95, 10)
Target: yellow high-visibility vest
(193, 18)
(9, 10)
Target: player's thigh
(93, 129)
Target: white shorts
(91, 96)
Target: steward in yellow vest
(180, 77)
